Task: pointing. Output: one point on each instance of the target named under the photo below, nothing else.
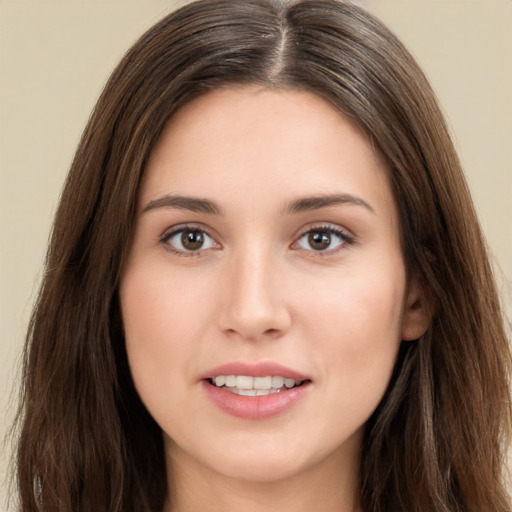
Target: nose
(255, 305)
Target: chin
(262, 471)
(267, 460)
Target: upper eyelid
(171, 232)
(185, 226)
(327, 226)
(347, 237)
(303, 230)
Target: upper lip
(259, 369)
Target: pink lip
(255, 407)
(261, 369)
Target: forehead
(263, 143)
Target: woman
(266, 284)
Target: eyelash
(346, 239)
(165, 239)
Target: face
(265, 294)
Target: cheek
(161, 323)
(162, 307)
(361, 308)
(356, 327)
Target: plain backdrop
(56, 55)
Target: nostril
(254, 320)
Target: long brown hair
(436, 441)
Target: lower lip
(255, 407)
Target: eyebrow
(193, 204)
(316, 202)
(301, 205)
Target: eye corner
(323, 240)
(198, 242)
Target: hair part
(435, 443)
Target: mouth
(255, 391)
(246, 385)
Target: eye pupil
(319, 240)
(192, 240)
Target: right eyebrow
(322, 201)
(194, 204)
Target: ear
(417, 313)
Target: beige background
(55, 57)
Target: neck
(328, 486)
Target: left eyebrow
(193, 204)
(316, 202)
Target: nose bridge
(254, 306)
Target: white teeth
(247, 392)
(277, 382)
(263, 383)
(244, 382)
(289, 383)
(230, 380)
(254, 386)
(220, 380)
(255, 392)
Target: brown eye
(192, 240)
(319, 240)
(188, 241)
(324, 239)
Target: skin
(258, 291)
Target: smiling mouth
(246, 385)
